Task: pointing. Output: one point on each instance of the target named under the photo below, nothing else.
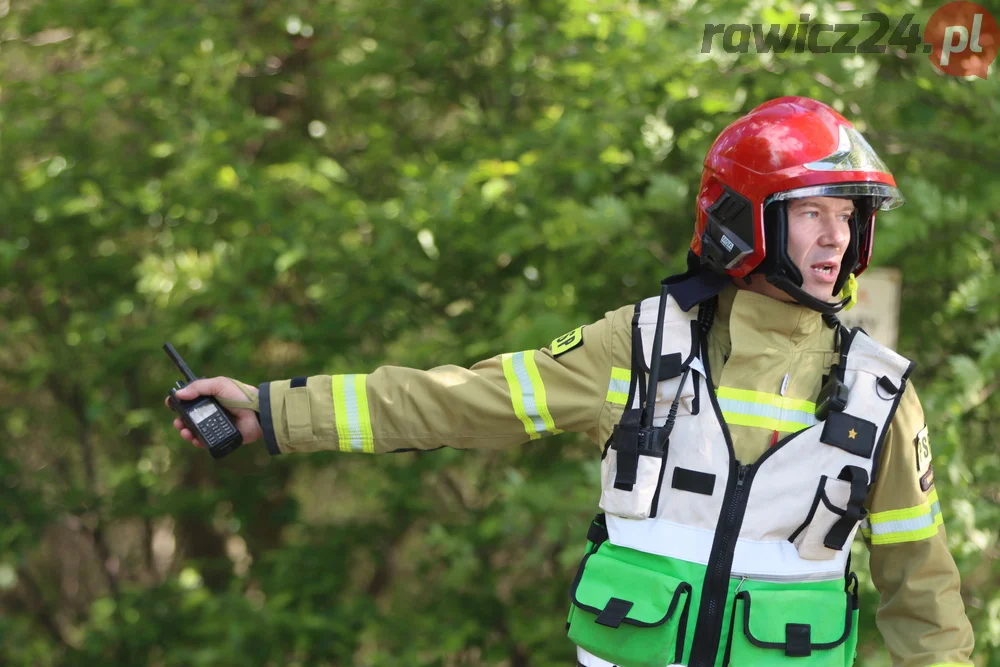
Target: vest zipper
(796, 578)
(716, 590)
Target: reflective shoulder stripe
(744, 407)
(350, 410)
(909, 524)
(527, 393)
(618, 386)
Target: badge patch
(923, 444)
(852, 434)
(566, 342)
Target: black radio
(203, 416)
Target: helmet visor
(886, 197)
(853, 153)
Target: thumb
(205, 387)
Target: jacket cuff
(267, 419)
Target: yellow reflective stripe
(909, 535)
(909, 524)
(617, 398)
(750, 396)
(541, 406)
(618, 385)
(905, 513)
(770, 423)
(340, 414)
(516, 399)
(350, 411)
(745, 407)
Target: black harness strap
(856, 511)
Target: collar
(694, 286)
(743, 315)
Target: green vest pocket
(628, 615)
(793, 628)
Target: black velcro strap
(628, 465)
(798, 640)
(858, 477)
(671, 366)
(693, 481)
(852, 434)
(626, 443)
(614, 612)
(888, 385)
(597, 534)
(298, 382)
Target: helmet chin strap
(780, 271)
(804, 298)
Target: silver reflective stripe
(350, 407)
(618, 386)
(353, 420)
(527, 392)
(906, 525)
(353, 413)
(769, 411)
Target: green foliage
(286, 188)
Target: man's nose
(836, 232)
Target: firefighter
(739, 459)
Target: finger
(178, 424)
(187, 435)
(206, 387)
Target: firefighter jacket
(741, 522)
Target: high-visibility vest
(700, 560)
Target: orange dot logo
(964, 38)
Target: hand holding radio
(218, 414)
(224, 388)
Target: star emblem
(852, 434)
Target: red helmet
(787, 148)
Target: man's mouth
(826, 271)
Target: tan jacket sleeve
(921, 616)
(502, 401)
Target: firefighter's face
(819, 231)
